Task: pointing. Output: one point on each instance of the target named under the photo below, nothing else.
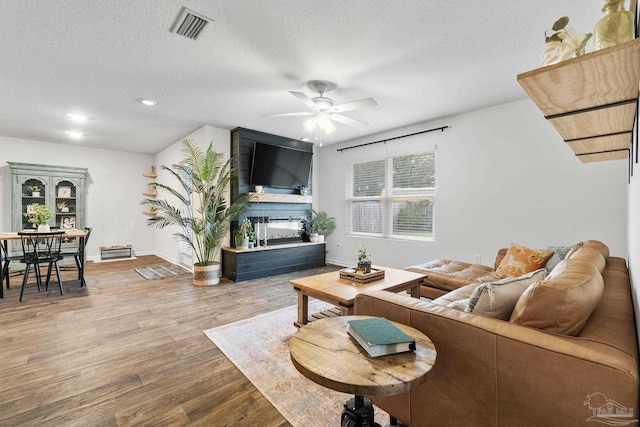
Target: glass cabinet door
(65, 205)
(34, 191)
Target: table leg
(415, 291)
(358, 412)
(81, 266)
(4, 265)
(303, 309)
(347, 310)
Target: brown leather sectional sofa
(567, 356)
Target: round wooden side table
(324, 352)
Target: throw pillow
(497, 299)
(559, 253)
(461, 304)
(520, 260)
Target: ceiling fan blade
(354, 105)
(302, 113)
(305, 99)
(347, 120)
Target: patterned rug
(259, 347)
(156, 272)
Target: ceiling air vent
(189, 23)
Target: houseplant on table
(202, 213)
(364, 261)
(321, 225)
(40, 216)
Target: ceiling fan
(323, 110)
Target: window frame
(390, 197)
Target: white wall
(165, 244)
(114, 189)
(503, 175)
(633, 258)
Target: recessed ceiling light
(76, 117)
(148, 102)
(75, 134)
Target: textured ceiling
(420, 60)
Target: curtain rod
(442, 128)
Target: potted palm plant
(202, 214)
(321, 225)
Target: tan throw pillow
(564, 301)
(497, 299)
(520, 260)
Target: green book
(379, 337)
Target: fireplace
(277, 230)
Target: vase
(364, 266)
(35, 194)
(43, 228)
(206, 275)
(615, 27)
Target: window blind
(392, 197)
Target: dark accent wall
(242, 144)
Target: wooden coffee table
(323, 352)
(329, 287)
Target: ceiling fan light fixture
(310, 125)
(324, 122)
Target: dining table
(5, 237)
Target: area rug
(156, 272)
(259, 347)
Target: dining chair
(76, 254)
(4, 267)
(39, 249)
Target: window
(392, 197)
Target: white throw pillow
(460, 304)
(497, 299)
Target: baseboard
(340, 263)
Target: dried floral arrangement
(563, 43)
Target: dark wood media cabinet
(245, 264)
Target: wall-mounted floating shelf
(279, 198)
(591, 100)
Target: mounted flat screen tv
(275, 166)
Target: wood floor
(129, 351)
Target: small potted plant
(40, 216)
(251, 235)
(364, 261)
(322, 224)
(302, 190)
(35, 190)
(244, 234)
(63, 207)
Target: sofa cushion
(563, 302)
(559, 253)
(497, 299)
(590, 255)
(599, 246)
(449, 275)
(520, 260)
